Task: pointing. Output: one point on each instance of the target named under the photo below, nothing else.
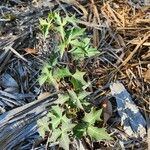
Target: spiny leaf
(43, 126)
(75, 43)
(60, 29)
(62, 47)
(73, 20)
(78, 53)
(86, 42)
(41, 131)
(56, 110)
(61, 23)
(51, 16)
(45, 69)
(80, 129)
(67, 126)
(98, 133)
(53, 60)
(93, 116)
(57, 116)
(62, 98)
(45, 25)
(75, 99)
(76, 84)
(55, 135)
(52, 80)
(55, 120)
(74, 33)
(83, 94)
(47, 76)
(92, 52)
(62, 135)
(61, 73)
(79, 76)
(42, 79)
(64, 141)
(86, 85)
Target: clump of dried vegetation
(119, 37)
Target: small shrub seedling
(71, 116)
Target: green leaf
(92, 52)
(61, 23)
(55, 135)
(93, 116)
(86, 85)
(62, 98)
(83, 94)
(64, 141)
(86, 41)
(67, 126)
(82, 49)
(73, 20)
(61, 73)
(65, 119)
(80, 129)
(53, 60)
(62, 135)
(45, 25)
(78, 53)
(52, 80)
(98, 134)
(41, 132)
(75, 99)
(74, 33)
(76, 84)
(79, 77)
(47, 76)
(76, 43)
(51, 16)
(57, 116)
(58, 19)
(45, 69)
(78, 99)
(57, 110)
(77, 80)
(55, 121)
(43, 126)
(61, 48)
(61, 30)
(42, 79)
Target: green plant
(73, 39)
(71, 116)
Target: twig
(4, 20)
(62, 6)
(133, 28)
(77, 4)
(147, 35)
(15, 52)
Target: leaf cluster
(72, 38)
(63, 122)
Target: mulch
(119, 29)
